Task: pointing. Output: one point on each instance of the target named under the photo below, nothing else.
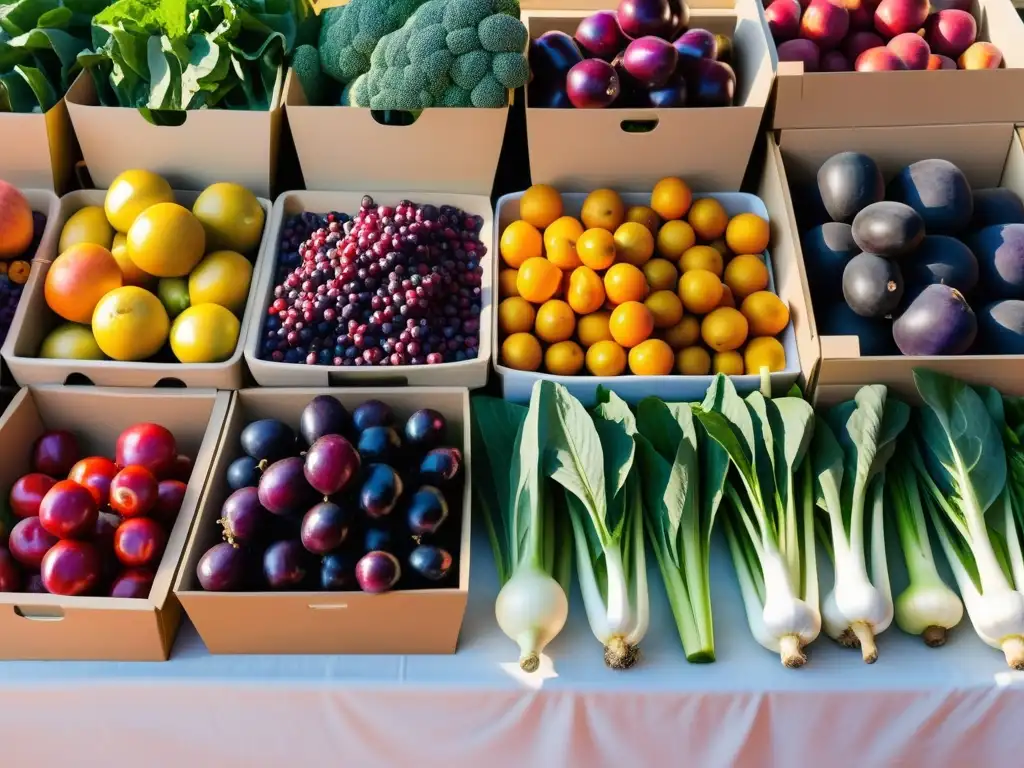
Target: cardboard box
(34, 320)
(401, 621)
(468, 373)
(832, 368)
(39, 150)
(584, 149)
(842, 99)
(211, 145)
(34, 626)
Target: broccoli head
(306, 65)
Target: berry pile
(392, 286)
(13, 276)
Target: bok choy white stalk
(769, 530)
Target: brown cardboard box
(833, 370)
(34, 320)
(583, 149)
(468, 373)
(211, 145)
(842, 99)
(406, 621)
(34, 626)
(38, 151)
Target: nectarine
(894, 17)
(801, 50)
(859, 42)
(936, 61)
(783, 18)
(951, 32)
(834, 61)
(825, 24)
(878, 60)
(15, 222)
(78, 279)
(912, 50)
(981, 56)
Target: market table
(955, 706)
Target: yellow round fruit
(520, 241)
(634, 244)
(555, 322)
(540, 205)
(720, 246)
(130, 324)
(560, 240)
(515, 315)
(564, 358)
(661, 274)
(603, 209)
(728, 300)
(522, 352)
(700, 291)
(708, 218)
(631, 323)
(585, 293)
(702, 257)
(651, 358)
(693, 361)
(729, 363)
(674, 239)
(132, 275)
(222, 277)
(671, 198)
(596, 248)
(232, 217)
(665, 307)
(624, 282)
(131, 193)
(724, 329)
(767, 314)
(86, 225)
(641, 214)
(70, 341)
(507, 283)
(166, 240)
(606, 358)
(748, 233)
(538, 280)
(746, 274)
(593, 328)
(764, 352)
(204, 333)
(683, 334)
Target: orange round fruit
(661, 274)
(767, 314)
(729, 363)
(564, 358)
(540, 205)
(560, 240)
(746, 274)
(674, 239)
(538, 279)
(748, 233)
(593, 328)
(522, 352)
(764, 352)
(651, 358)
(586, 291)
(671, 198)
(700, 291)
(555, 321)
(16, 227)
(78, 279)
(631, 323)
(520, 241)
(665, 307)
(606, 358)
(683, 334)
(641, 214)
(603, 209)
(634, 244)
(166, 240)
(724, 329)
(132, 275)
(596, 248)
(702, 257)
(516, 315)
(131, 324)
(507, 283)
(624, 282)
(708, 218)
(728, 300)
(693, 361)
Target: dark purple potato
(243, 472)
(783, 18)
(650, 60)
(55, 453)
(1001, 327)
(268, 440)
(1000, 253)
(801, 50)
(338, 572)
(938, 322)
(34, 584)
(872, 285)
(378, 571)
(221, 568)
(697, 44)
(551, 56)
(888, 229)
(874, 334)
(997, 206)
(425, 428)
(10, 573)
(427, 511)
(379, 538)
(283, 488)
(937, 190)
(380, 490)
(600, 36)
(592, 84)
(672, 95)
(680, 17)
(639, 18)
(827, 250)
(941, 259)
(372, 413)
(710, 83)
(325, 527)
(331, 463)
(379, 444)
(430, 562)
(440, 465)
(849, 182)
(242, 517)
(285, 564)
(323, 415)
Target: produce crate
(211, 145)
(300, 622)
(579, 149)
(517, 385)
(34, 319)
(45, 626)
(843, 99)
(40, 150)
(832, 368)
(468, 373)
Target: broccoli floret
(463, 41)
(454, 96)
(425, 41)
(396, 53)
(470, 68)
(512, 70)
(306, 65)
(500, 33)
(466, 13)
(431, 12)
(356, 93)
(414, 79)
(489, 93)
(508, 7)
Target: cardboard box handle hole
(170, 382)
(40, 613)
(78, 380)
(639, 126)
(340, 380)
(395, 118)
(328, 606)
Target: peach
(859, 42)
(834, 61)
(950, 32)
(783, 18)
(894, 17)
(912, 50)
(801, 50)
(15, 222)
(945, 5)
(936, 61)
(825, 24)
(981, 56)
(878, 60)
(862, 13)
(78, 279)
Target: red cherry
(182, 469)
(139, 542)
(171, 493)
(27, 492)
(133, 492)
(10, 573)
(54, 453)
(29, 541)
(133, 583)
(147, 445)
(70, 568)
(95, 473)
(68, 510)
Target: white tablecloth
(954, 706)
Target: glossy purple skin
(55, 453)
(378, 538)
(600, 36)
(268, 440)
(639, 18)
(379, 444)
(70, 568)
(29, 541)
(372, 413)
(325, 528)
(548, 98)
(331, 463)
(323, 415)
(243, 472)
(697, 44)
(134, 583)
(10, 573)
(425, 429)
(242, 516)
(711, 84)
(651, 61)
(440, 465)
(283, 488)
(381, 490)
(671, 95)
(938, 322)
(338, 572)
(680, 17)
(551, 57)
(430, 562)
(783, 18)
(378, 571)
(592, 84)
(285, 564)
(427, 511)
(221, 568)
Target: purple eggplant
(711, 83)
(680, 17)
(938, 322)
(592, 84)
(651, 61)
(670, 95)
(697, 44)
(599, 36)
(639, 18)
(552, 55)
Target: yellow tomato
(206, 333)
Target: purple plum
(651, 61)
(639, 18)
(378, 571)
(711, 83)
(592, 84)
(600, 36)
(697, 44)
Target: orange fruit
(720, 246)
(516, 315)
(693, 361)
(603, 209)
(701, 257)
(555, 321)
(564, 358)
(661, 274)
(708, 218)
(700, 291)
(767, 314)
(232, 217)
(730, 363)
(724, 329)
(764, 352)
(560, 242)
(538, 279)
(507, 283)
(671, 198)
(586, 291)
(634, 244)
(166, 240)
(665, 307)
(596, 248)
(130, 324)
(593, 328)
(78, 279)
(641, 214)
(748, 233)
(683, 334)
(631, 323)
(520, 241)
(746, 274)
(624, 282)
(651, 358)
(606, 358)
(674, 239)
(522, 352)
(540, 205)
(16, 227)
(728, 300)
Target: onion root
(1013, 648)
(934, 636)
(530, 662)
(618, 654)
(866, 640)
(793, 656)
